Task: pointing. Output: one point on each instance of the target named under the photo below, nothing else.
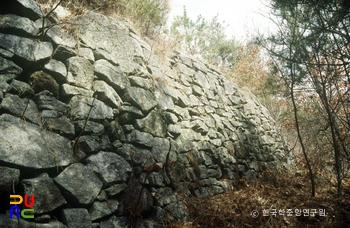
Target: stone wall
(103, 133)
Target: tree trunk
(301, 141)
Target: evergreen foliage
(205, 38)
(311, 52)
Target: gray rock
(194, 101)
(22, 89)
(9, 67)
(188, 135)
(267, 140)
(164, 196)
(160, 149)
(140, 138)
(128, 128)
(110, 167)
(139, 156)
(76, 217)
(91, 127)
(7, 222)
(47, 195)
(22, 107)
(78, 184)
(60, 13)
(214, 173)
(102, 54)
(197, 90)
(82, 106)
(216, 190)
(46, 101)
(122, 49)
(57, 70)
(153, 123)
(142, 98)
(36, 149)
(6, 53)
(199, 126)
(183, 101)
(170, 118)
(62, 53)
(9, 177)
(129, 113)
(117, 144)
(61, 125)
(69, 91)
(250, 176)
(141, 82)
(60, 37)
(19, 46)
(182, 113)
(225, 156)
(43, 23)
(51, 114)
(230, 88)
(165, 102)
(203, 145)
(107, 94)
(80, 72)
(99, 210)
(154, 179)
(111, 74)
(115, 189)
(89, 143)
(42, 218)
(202, 172)
(115, 131)
(228, 173)
(115, 222)
(201, 80)
(174, 130)
(202, 193)
(87, 54)
(183, 69)
(20, 26)
(178, 210)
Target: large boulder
(16, 25)
(34, 148)
(142, 98)
(110, 167)
(19, 46)
(116, 39)
(113, 75)
(79, 184)
(46, 194)
(80, 72)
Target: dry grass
(235, 208)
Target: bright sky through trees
(243, 17)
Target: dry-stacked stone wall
(103, 134)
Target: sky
(243, 16)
